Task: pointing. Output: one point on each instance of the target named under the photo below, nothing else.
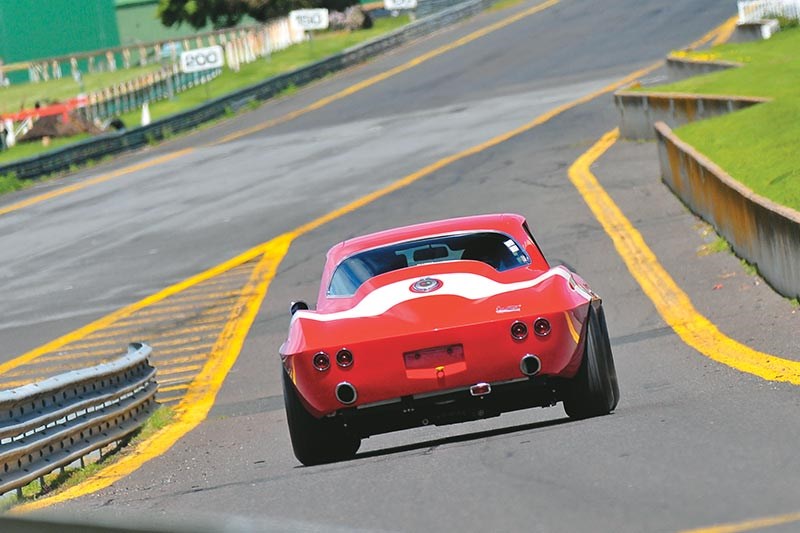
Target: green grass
(757, 146)
(29, 149)
(25, 95)
(59, 481)
(322, 45)
(718, 245)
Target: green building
(34, 29)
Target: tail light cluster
(541, 327)
(322, 360)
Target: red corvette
(440, 323)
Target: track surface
(692, 443)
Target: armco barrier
(52, 423)
(639, 111)
(762, 232)
(680, 68)
(117, 142)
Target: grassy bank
(757, 146)
(25, 95)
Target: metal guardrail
(117, 142)
(52, 423)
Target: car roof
(503, 222)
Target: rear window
(497, 250)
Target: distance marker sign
(310, 19)
(399, 5)
(202, 59)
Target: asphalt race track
(693, 443)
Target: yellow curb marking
(749, 525)
(670, 301)
(726, 31)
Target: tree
(226, 13)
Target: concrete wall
(755, 31)
(762, 232)
(679, 68)
(640, 110)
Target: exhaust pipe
(346, 393)
(530, 365)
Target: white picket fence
(753, 10)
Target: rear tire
(315, 441)
(594, 390)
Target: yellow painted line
(89, 354)
(172, 370)
(289, 116)
(195, 405)
(178, 360)
(158, 340)
(213, 308)
(360, 86)
(125, 312)
(726, 31)
(719, 35)
(200, 395)
(185, 380)
(93, 181)
(5, 385)
(672, 303)
(194, 348)
(749, 525)
(173, 388)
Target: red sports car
(440, 323)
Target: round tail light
(519, 330)
(321, 361)
(541, 327)
(344, 358)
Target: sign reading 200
(202, 59)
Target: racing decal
(426, 285)
(465, 285)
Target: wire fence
(754, 10)
(242, 45)
(133, 94)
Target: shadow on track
(430, 444)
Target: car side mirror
(299, 305)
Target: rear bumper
(380, 373)
(450, 406)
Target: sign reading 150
(202, 59)
(310, 19)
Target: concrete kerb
(113, 143)
(639, 111)
(680, 68)
(760, 231)
(755, 31)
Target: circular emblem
(426, 285)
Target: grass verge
(69, 477)
(757, 146)
(25, 95)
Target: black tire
(315, 441)
(594, 390)
(612, 369)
